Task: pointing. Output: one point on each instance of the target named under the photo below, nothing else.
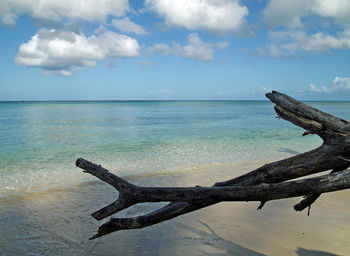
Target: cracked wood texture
(269, 182)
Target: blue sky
(183, 49)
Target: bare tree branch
(263, 184)
(262, 192)
(309, 200)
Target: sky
(174, 50)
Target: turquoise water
(40, 141)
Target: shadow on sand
(305, 252)
(200, 238)
(213, 240)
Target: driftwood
(269, 182)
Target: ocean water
(45, 201)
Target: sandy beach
(58, 221)
(239, 229)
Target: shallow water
(45, 201)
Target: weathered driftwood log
(269, 182)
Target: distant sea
(44, 198)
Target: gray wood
(269, 182)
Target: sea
(46, 201)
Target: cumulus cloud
(275, 51)
(285, 12)
(336, 9)
(293, 35)
(127, 26)
(88, 10)
(290, 13)
(195, 49)
(64, 52)
(321, 42)
(314, 88)
(290, 42)
(339, 84)
(220, 15)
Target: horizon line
(158, 100)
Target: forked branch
(269, 182)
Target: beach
(239, 229)
(46, 202)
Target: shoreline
(60, 221)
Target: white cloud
(116, 45)
(275, 51)
(314, 88)
(195, 49)
(321, 42)
(322, 89)
(281, 35)
(293, 36)
(64, 52)
(336, 9)
(289, 43)
(88, 10)
(339, 84)
(101, 29)
(285, 12)
(220, 15)
(127, 26)
(261, 90)
(290, 13)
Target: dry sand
(238, 228)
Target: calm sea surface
(42, 191)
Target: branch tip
(261, 205)
(94, 237)
(306, 133)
